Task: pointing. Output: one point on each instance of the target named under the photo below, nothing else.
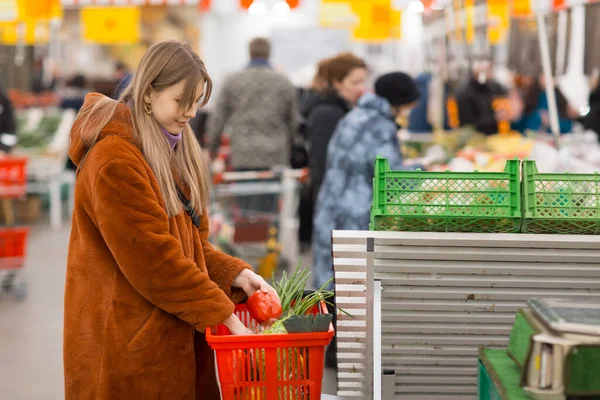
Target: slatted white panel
(447, 294)
(350, 265)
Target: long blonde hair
(164, 64)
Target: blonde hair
(164, 64)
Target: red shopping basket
(12, 247)
(269, 367)
(13, 177)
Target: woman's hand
(250, 282)
(235, 326)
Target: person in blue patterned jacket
(344, 201)
(368, 131)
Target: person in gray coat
(257, 108)
(368, 131)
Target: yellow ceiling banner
(470, 21)
(111, 25)
(39, 10)
(28, 32)
(370, 20)
(378, 21)
(498, 21)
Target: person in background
(306, 207)
(592, 120)
(340, 82)
(8, 129)
(74, 94)
(257, 109)
(419, 120)
(143, 282)
(535, 115)
(123, 76)
(40, 81)
(475, 100)
(344, 202)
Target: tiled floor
(31, 330)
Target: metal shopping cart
(254, 217)
(13, 238)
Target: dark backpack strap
(187, 206)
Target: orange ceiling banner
(293, 3)
(559, 4)
(204, 5)
(245, 4)
(520, 8)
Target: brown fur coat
(141, 287)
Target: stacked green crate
(421, 201)
(485, 202)
(560, 203)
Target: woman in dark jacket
(344, 77)
(8, 130)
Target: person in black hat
(344, 201)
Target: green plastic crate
(419, 201)
(560, 203)
(486, 388)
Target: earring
(147, 108)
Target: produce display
(39, 135)
(464, 150)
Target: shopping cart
(13, 238)
(254, 217)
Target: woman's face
(166, 107)
(352, 86)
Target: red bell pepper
(264, 306)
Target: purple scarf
(172, 139)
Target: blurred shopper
(74, 94)
(308, 97)
(431, 106)
(344, 202)
(8, 129)
(592, 120)
(42, 79)
(143, 282)
(340, 82)
(536, 116)
(257, 109)
(123, 76)
(475, 100)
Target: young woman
(143, 282)
(341, 81)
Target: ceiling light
(257, 9)
(281, 8)
(416, 6)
